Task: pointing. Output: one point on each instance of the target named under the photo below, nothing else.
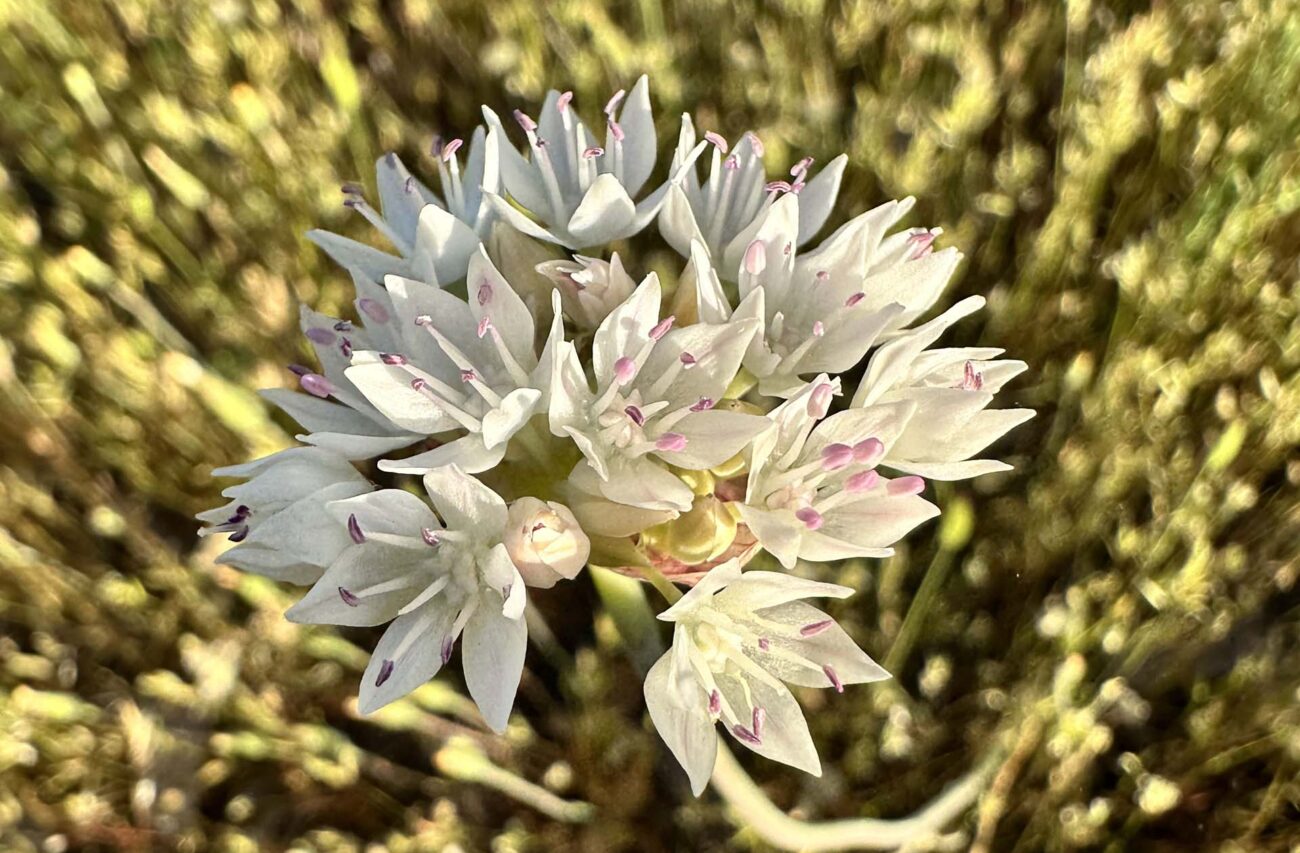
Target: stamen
(325, 337)
(671, 442)
(906, 486)
(715, 704)
(343, 326)
(345, 348)
(613, 102)
(435, 146)
(449, 150)
(408, 186)
(430, 537)
(688, 361)
(801, 168)
(732, 163)
(484, 324)
(373, 309)
(636, 415)
(836, 456)
(818, 329)
(385, 673)
(814, 628)
(562, 102)
(777, 187)
(854, 299)
(624, 370)
(716, 140)
(525, 122)
(354, 530)
(971, 380)
(861, 482)
(823, 275)
(757, 721)
(703, 405)
(868, 451)
(316, 385)
(348, 598)
(661, 328)
(299, 370)
(811, 518)
(392, 358)
(592, 152)
(615, 130)
(834, 679)
(353, 189)
(745, 735)
(819, 401)
(448, 643)
(239, 535)
(755, 257)
(468, 376)
(755, 143)
(764, 643)
(923, 242)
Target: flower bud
(545, 542)
(589, 288)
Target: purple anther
(801, 168)
(868, 451)
(787, 249)
(818, 329)
(755, 257)
(394, 358)
(390, 160)
(703, 404)
(614, 101)
(635, 415)
(435, 147)
(836, 456)
(834, 679)
(351, 188)
(732, 163)
(756, 144)
(661, 328)
(316, 385)
(241, 512)
(819, 401)
(592, 151)
(468, 376)
(764, 643)
(299, 370)
(345, 348)
(424, 320)
(812, 629)
(484, 294)
(419, 384)
(430, 536)
(449, 150)
(448, 643)
(385, 673)
(854, 299)
(823, 275)
(971, 379)
(906, 486)
(373, 309)
(777, 187)
(745, 735)
(348, 597)
(615, 130)
(757, 721)
(922, 243)
(525, 122)
(343, 326)
(862, 481)
(562, 102)
(239, 535)
(811, 518)
(484, 324)
(408, 185)
(354, 530)
(624, 370)
(671, 442)
(715, 703)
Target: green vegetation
(1116, 620)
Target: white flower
(582, 192)
(722, 211)
(950, 390)
(656, 388)
(458, 366)
(813, 490)
(822, 311)
(434, 237)
(738, 639)
(589, 287)
(278, 518)
(433, 582)
(545, 542)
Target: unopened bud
(545, 542)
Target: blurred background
(1115, 620)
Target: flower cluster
(562, 413)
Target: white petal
(303, 529)
(509, 417)
(351, 446)
(915, 285)
(521, 180)
(401, 209)
(570, 395)
(445, 242)
(464, 502)
(601, 517)
(388, 388)
(359, 567)
(679, 710)
(718, 350)
(468, 453)
(713, 437)
(392, 516)
(878, 520)
(778, 230)
(711, 300)
(603, 212)
(493, 658)
(626, 328)
(830, 647)
(891, 363)
(703, 593)
(412, 299)
(639, 143)
(777, 531)
(677, 222)
(519, 222)
(949, 471)
(350, 254)
(288, 476)
(754, 591)
(422, 633)
(883, 421)
(317, 415)
(785, 733)
(640, 482)
(847, 339)
(381, 332)
(818, 197)
(503, 308)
